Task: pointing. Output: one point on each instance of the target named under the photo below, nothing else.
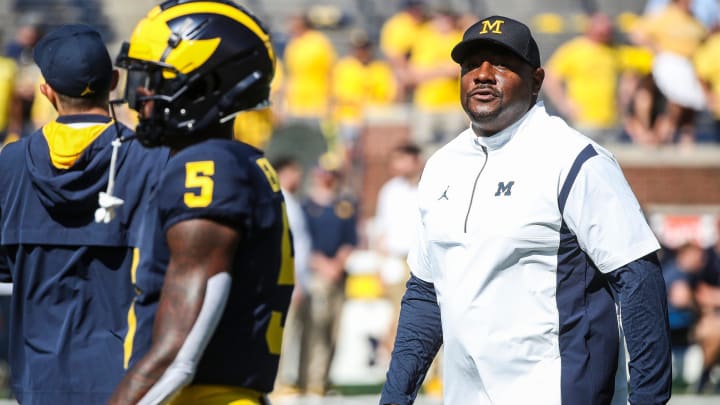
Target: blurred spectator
(309, 58)
(681, 275)
(28, 77)
(8, 71)
(290, 176)
(360, 80)
(683, 39)
(581, 80)
(673, 34)
(395, 219)
(332, 223)
(644, 122)
(41, 110)
(707, 331)
(398, 35)
(707, 65)
(437, 116)
(465, 20)
(692, 278)
(254, 127)
(27, 34)
(706, 11)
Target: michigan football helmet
(197, 63)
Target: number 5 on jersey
(198, 177)
(286, 274)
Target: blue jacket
(71, 276)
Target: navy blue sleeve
(205, 182)
(640, 290)
(418, 339)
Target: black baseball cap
(498, 30)
(74, 61)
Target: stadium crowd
(634, 82)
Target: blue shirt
(331, 226)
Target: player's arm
(192, 300)
(640, 290)
(418, 339)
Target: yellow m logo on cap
(492, 26)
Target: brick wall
(377, 143)
(675, 185)
(665, 176)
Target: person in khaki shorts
(332, 224)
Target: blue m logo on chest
(504, 189)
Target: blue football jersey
(231, 183)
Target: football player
(216, 269)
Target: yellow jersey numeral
(199, 175)
(274, 333)
(269, 171)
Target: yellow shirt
(278, 78)
(398, 34)
(707, 65)
(432, 50)
(673, 30)
(255, 127)
(308, 64)
(637, 59)
(589, 71)
(8, 70)
(356, 86)
(42, 110)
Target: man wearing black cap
(531, 251)
(70, 266)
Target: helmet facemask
(179, 107)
